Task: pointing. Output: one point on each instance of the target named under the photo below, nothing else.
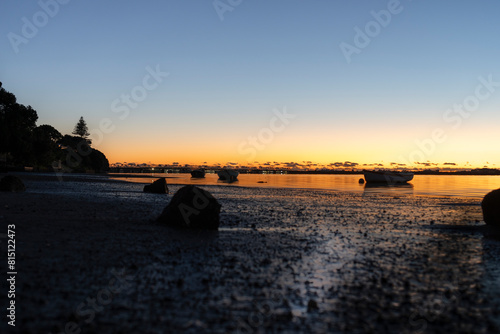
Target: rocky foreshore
(283, 260)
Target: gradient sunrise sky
(256, 80)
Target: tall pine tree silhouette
(81, 129)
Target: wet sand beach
(283, 261)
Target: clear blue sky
(226, 77)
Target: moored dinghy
(387, 177)
(228, 175)
(198, 173)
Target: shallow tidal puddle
(317, 273)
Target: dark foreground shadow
(193, 237)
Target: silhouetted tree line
(23, 143)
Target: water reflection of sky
(433, 185)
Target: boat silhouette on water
(228, 175)
(198, 173)
(387, 177)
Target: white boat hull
(387, 177)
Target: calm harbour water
(422, 185)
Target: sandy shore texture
(283, 261)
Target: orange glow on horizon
(299, 144)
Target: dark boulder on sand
(157, 187)
(491, 208)
(12, 183)
(192, 208)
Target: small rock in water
(157, 187)
(192, 208)
(491, 208)
(12, 183)
(361, 181)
